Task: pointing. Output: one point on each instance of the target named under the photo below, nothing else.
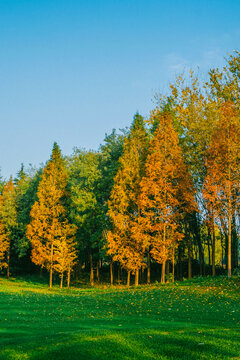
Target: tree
(8, 221)
(124, 242)
(4, 247)
(194, 119)
(1, 182)
(65, 253)
(26, 184)
(109, 154)
(166, 192)
(84, 174)
(222, 182)
(49, 223)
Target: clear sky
(70, 71)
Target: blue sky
(70, 71)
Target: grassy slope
(190, 320)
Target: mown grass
(198, 319)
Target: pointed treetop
(56, 152)
(138, 122)
(21, 174)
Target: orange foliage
(4, 246)
(222, 182)
(8, 220)
(49, 227)
(123, 241)
(166, 192)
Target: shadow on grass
(124, 345)
(153, 324)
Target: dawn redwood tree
(65, 253)
(166, 192)
(4, 247)
(49, 223)
(26, 185)
(8, 223)
(194, 119)
(124, 243)
(222, 182)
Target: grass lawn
(198, 319)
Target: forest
(158, 201)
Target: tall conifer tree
(48, 215)
(222, 182)
(8, 222)
(123, 241)
(166, 192)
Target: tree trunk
(142, 275)
(180, 262)
(189, 264)
(213, 247)
(201, 259)
(164, 250)
(51, 267)
(8, 263)
(197, 236)
(222, 248)
(229, 246)
(229, 230)
(137, 278)
(167, 270)
(50, 276)
(61, 283)
(128, 278)
(98, 276)
(111, 272)
(68, 278)
(235, 250)
(119, 277)
(148, 268)
(173, 265)
(208, 245)
(163, 272)
(91, 269)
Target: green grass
(198, 319)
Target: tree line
(159, 195)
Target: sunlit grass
(198, 319)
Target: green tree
(84, 212)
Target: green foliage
(110, 153)
(84, 174)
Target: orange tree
(222, 182)
(4, 247)
(65, 252)
(8, 223)
(166, 192)
(48, 215)
(124, 244)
